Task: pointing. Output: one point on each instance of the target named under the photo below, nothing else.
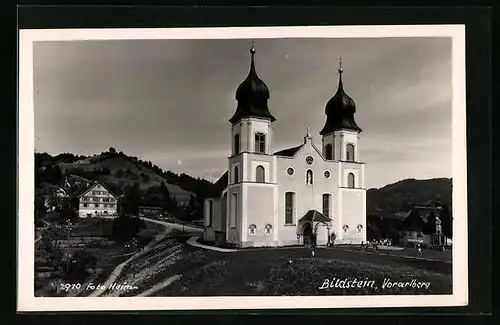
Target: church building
(295, 196)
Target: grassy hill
(119, 170)
(394, 199)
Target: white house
(96, 200)
(293, 196)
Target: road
(175, 226)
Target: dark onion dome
(252, 95)
(340, 111)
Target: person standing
(419, 249)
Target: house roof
(314, 215)
(413, 222)
(86, 189)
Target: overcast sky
(169, 101)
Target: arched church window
(309, 177)
(210, 212)
(236, 174)
(345, 228)
(268, 229)
(350, 180)
(252, 230)
(260, 174)
(360, 228)
(289, 207)
(350, 152)
(224, 207)
(234, 209)
(329, 151)
(260, 142)
(326, 204)
(236, 145)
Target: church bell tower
(340, 134)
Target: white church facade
(295, 196)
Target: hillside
(394, 199)
(119, 171)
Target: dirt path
(117, 271)
(160, 286)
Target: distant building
(300, 195)
(422, 225)
(96, 200)
(145, 211)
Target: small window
(350, 180)
(345, 228)
(260, 174)
(85, 205)
(252, 230)
(309, 177)
(236, 145)
(260, 142)
(236, 174)
(268, 230)
(360, 228)
(329, 151)
(326, 174)
(350, 152)
(290, 171)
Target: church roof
(290, 152)
(221, 184)
(252, 95)
(340, 111)
(314, 215)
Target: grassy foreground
(269, 273)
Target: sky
(169, 101)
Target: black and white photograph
(250, 167)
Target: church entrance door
(307, 234)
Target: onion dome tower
(340, 110)
(252, 95)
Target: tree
(126, 227)
(430, 226)
(446, 222)
(167, 200)
(131, 200)
(119, 173)
(40, 208)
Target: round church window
(290, 171)
(327, 174)
(309, 160)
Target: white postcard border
(28, 302)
